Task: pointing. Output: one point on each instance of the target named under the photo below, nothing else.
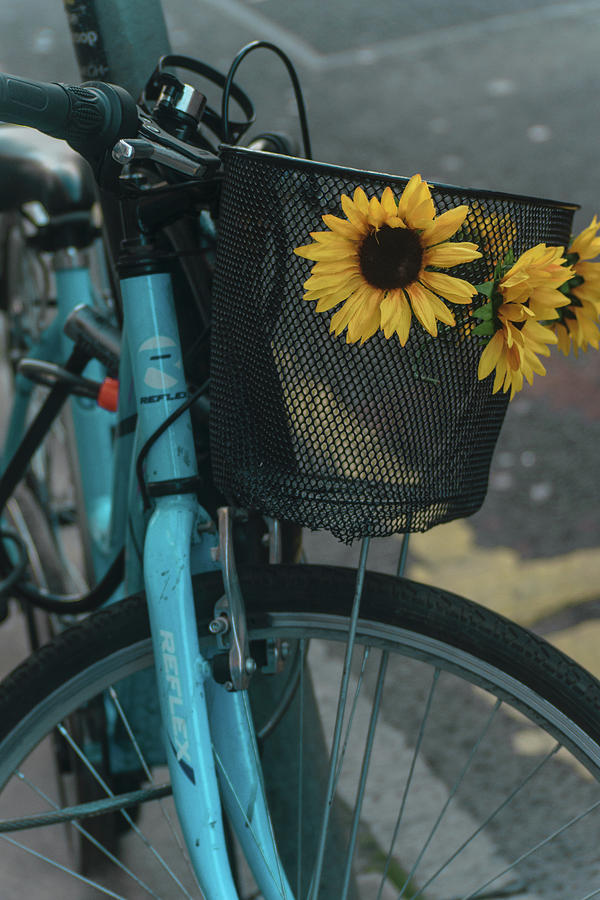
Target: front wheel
(468, 766)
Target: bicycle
(440, 653)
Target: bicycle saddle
(34, 166)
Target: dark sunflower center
(391, 257)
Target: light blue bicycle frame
(208, 733)
(92, 425)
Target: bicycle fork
(208, 734)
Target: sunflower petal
(376, 213)
(422, 307)
(490, 356)
(361, 200)
(341, 227)
(444, 226)
(388, 202)
(416, 206)
(353, 214)
(396, 316)
(440, 310)
(340, 319)
(318, 252)
(454, 289)
(451, 254)
(335, 267)
(329, 239)
(325, 282)
(365, 321)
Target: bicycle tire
(476, 655)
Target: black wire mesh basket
(358, 439)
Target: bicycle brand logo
(156, 375)
(178, 724)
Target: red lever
(108, 395)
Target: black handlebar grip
(43, 106)
(92, 116)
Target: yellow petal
(422, 307)
(319, 282)
(377, 214)
(342, 227)
(340, 319)
(586, 244)
(365, 320)
(335, 267)
(440, 310)
(329, 239)
(451, 254)
(454, 289)
(396, 316)
(407, 195)
(353, 214)
(361, 201)
(318, 252)
(388, 202)
(444, 226)
(331, 300)
(491, 355)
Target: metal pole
(118, 41)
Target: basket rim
(299, 163)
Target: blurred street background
(471, 93)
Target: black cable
(256, 45)
(139, 466)
(67, 605)
(13, 475)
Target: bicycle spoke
(534, 849)
(403, 555)
(451, 795)
(360, 575)
(300, 767)
(79, 828)
(492, 816)
(364, 771)
(247, 821)
(350, 722)
(60, 867)
(148, 774)
(74, 746)
(407, 786)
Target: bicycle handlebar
(91, 116)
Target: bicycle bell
(179, 107)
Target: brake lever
(158, 145)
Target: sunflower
(377, 263)
(524, 297)
(577, 326)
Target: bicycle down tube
(183, 674)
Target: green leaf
(484, 329)
(486, 288)
(485, 312)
